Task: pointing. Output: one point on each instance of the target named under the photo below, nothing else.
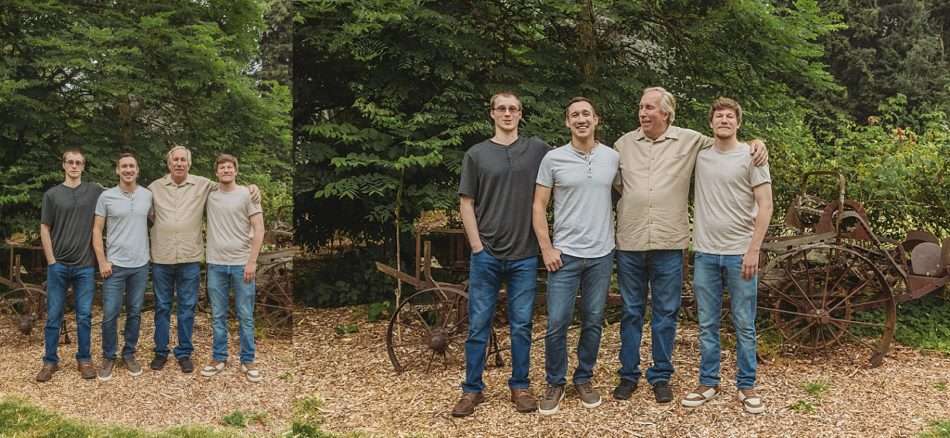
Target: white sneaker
(250, 370)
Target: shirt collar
(672, 133)
(189, 180)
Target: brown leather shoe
(46, 372)
(524, 400)
(87, 370)
(466, 404)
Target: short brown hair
(73, 150)
(126, 155)
(506, 93)
(579, 99)
(225, 158)
(722, 103)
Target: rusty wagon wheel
(275, 300)
(25, 305)
(430, 325)
(819, 295)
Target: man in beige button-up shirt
(177, 249)
(656, 164)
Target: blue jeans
(58, 279)
(711, 274)
(485, 278)
(221, 278)
(124, 285)
(592, 276)
(660, 272)
(169, 280)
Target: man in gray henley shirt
(580, 175)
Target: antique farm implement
(431, 324)
(22, 300)
(830, 282)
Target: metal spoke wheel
(429, 326)
(820, 296)
(275, 300)
(24, 305)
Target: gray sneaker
(551, 399)
(105, 371)
(589, 396)
(133, 366)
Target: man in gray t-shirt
(495, 193)
(733, 210)
(235, 236)
(66, 233)
(123, 262)
(579, 175)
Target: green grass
(21, 419)
(938, 429)
(803, 407)
(816, 389)
(241, 419)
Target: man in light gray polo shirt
(123, 263)
(580, 175)
(733, 210)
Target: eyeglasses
(510, 109)
(79, 163)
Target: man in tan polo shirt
(656, 164)
(177, 249)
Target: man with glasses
(66, 223)
(496, 191)
(123, 262)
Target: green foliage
(391, 93)
(891, 48)
(128, 76)
(235, 419)
(816, 388)
(802, 407)
(345, 278)
(923, 323)
(22, 419)
(937, 429)
(379, 311)
(345, 329)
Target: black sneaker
(187, 366)
(158, 363)
(663, 392)
(625, 389)
(105, 371)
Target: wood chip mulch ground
(154, 400)
(352, 375)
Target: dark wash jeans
(169, 280)
(485, 278)
(58, 279)
(661, 273)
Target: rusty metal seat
(925, 259)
